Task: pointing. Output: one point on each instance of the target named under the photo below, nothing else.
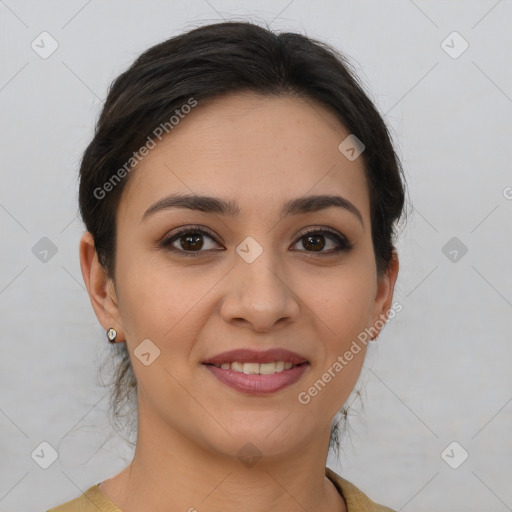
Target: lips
(257, 372)
(253, 356)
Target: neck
(188, 477)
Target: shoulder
(356, 500)
(92, 500)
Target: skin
(259, 152)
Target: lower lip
(258, 384)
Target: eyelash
(343, 244)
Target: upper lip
(245, 355)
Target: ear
(384, 295)
(100, 287)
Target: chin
(269, 440)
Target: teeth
(267, 368)
(256, 368)
(251, 368)
(237, 367)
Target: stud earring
(111, 335)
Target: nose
(259, 295)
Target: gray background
(440, 371)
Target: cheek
(159, 300)
(343, 311)
(343, 305)
(344, 301)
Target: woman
(240, 196)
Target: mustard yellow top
(93, 500)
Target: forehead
(259, 151)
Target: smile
(257, 372)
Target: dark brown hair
(210, 61)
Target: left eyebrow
(219, 206)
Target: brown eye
(315, 241)
(192, 242)
(188, 241)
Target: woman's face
(252, 279)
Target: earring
(111, 335)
